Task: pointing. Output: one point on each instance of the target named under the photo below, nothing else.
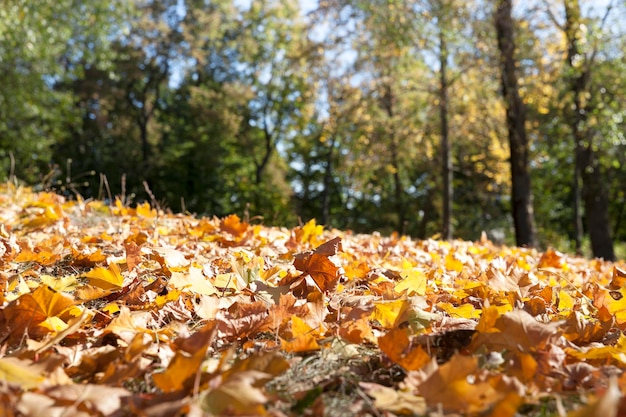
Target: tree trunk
(446, 155)
(578, 216)
(515, 119)
(594, 192)
(268, 145)
(388, 103)
(328, 179)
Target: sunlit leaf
(395, 401)
(456, 387)
(185, 366)
(106, 278)
(19, 372)
(413, 280)
(390, 313)
(232, 224)
(319, 265)
(303, 339)
(396, 345)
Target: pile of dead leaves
(114, 311)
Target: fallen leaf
(397, 346)
(395, 401)
(457, 386)
(185, 366)
(106, 278)
(516, 330)
(607, 405)
(19, 372)
(319, 265)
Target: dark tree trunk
(268, 145)
(594, 193)
(578, 216)
(515, 119)
(446, 155)
(328, 179)
(388, 103)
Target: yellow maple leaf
(144, 210)
(413, 280)
(388, 313)
(106, 278)
(465, 311)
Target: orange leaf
(396, 345)
(233, 225)
(133, 255)
(619, 279)
(33, 309)
(182, 370)
(319, 265)
(41, 255)
(356, 331)
(455, 388)
(87, 257)
(551, 259)
(304, 337)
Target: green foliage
(40, 45)
(257, 109)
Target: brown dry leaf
(88, 398)
(516, 330)
(324, 271)
(582, 331)
(607, 405)
(457, 386)
(133, 254)
(226, 286)
(238, 395)
(282, 312)
(185, 366)
(39, 312)
(242, 320)
(9, 248)
(86, 257)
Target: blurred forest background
(426, 117)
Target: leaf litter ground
(115, 311)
